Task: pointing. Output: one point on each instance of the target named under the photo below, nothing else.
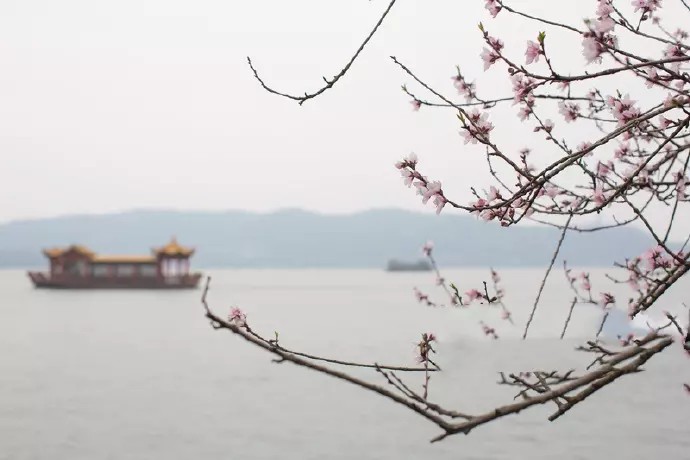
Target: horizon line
(265, 212)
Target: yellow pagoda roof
(123, 259)
(173, 248)
(56, 252)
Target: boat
(421, 265)
(77, 267)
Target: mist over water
(142, 375)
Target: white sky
(109, 106)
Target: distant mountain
(294, 238)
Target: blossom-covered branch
(627, 162)
(564, 391)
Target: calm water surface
(141, 375)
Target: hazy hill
(294, 238)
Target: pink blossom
(493, 194)
(548, 125)
(550, 190)
(416, 104)
(671, 101)
(592, 50)
(431, 190)
(674, 51)
(576, 203)
(424, 347)
(655, 258)
(488, 214)
(524, 112)
(522, 86)
(439, 201)
(652, 77)
(489, 57)
(237, 316)
(473, 294)
(493, 7)
(518, 203)
(478, 128)
(480, 203)
(488, 330)
(647, 6)
(623, 109)
(604, 8)
(604, 25)
(495, 43)
(422, 298)
(603, 169)
(427, 248)
(408, 176)
(606, 299)
(585, 284)
(527, 107)
(533, 52)
(410, 161)
(653, 253)
(664, 122)
(622, 151)
(464, 89)
(627, 340)
(505, 314)
(569, 110)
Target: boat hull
(403, 266)
(45, 281)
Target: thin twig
(329, 83)
(570, 314)
(601, 326)
(546, 276)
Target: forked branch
(564, 390)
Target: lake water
(142, 375)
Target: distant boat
(406, 266)
(77, 267)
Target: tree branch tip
(440, 437)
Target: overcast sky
(109, 106)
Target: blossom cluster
(425, 348)
(429, 190)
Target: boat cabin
(78, 266)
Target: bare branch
(329, 83)
(570, 314)
(546, 276)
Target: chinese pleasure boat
(77, 267)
